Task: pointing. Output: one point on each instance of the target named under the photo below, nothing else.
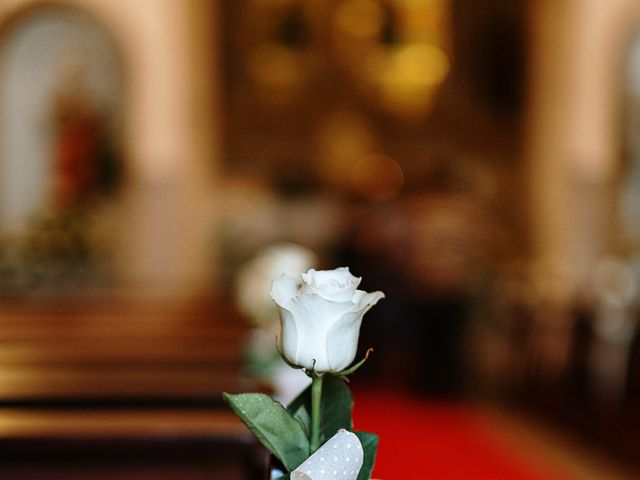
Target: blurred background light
(377, 178)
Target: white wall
(33, 71)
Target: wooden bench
(122, 391)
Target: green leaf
(276, 428)
(335, 412)
(369, 443)
(337, 405)
(302, 416)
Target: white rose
(321, 319)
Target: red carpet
(440, 441)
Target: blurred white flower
(254, 280)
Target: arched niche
(61, 159)
(170, 138)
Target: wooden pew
(111, 390)
(106, 352)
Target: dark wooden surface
(113, 390)
(113, 351)
(126, 443)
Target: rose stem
(316, 398)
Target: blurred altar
(476, 161)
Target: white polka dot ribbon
(339, 458)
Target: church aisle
(423, 438)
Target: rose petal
(288, 338)
(334, 285)
(343, 334)
(343, 340)
(357, 296)
(363, 299)
(283, 290)
(314, 317)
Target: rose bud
(320, 319)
